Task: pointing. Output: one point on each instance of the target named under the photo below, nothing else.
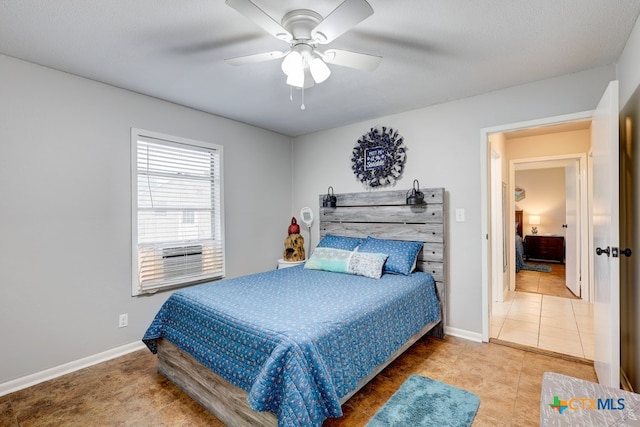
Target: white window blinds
(178, 230)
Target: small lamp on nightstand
(534, 221)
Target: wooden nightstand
(544, 248)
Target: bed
(228, 345)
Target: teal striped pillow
(329, 259)
(349, 262)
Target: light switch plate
(460, 215)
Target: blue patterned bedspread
(296, 340)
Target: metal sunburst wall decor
(378, 157)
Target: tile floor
(536, 317)
(127, 391)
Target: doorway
(523, 306)
(558, 201)
(543, 308)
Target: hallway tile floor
(543, 313)
(557, 324)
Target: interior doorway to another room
(552, 321)
(551, 202)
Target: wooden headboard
(385, 215)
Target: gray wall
(65, 245)
(444, 150)
(628, 66)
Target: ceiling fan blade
(251, 11)
(342, 19)
(258, 57)
(345, 58)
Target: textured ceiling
(434, 51)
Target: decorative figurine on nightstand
(294, 228)
(294, 243)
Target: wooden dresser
(544, 248)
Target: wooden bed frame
(381, 214)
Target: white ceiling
(434, 51)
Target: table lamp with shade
(534, 221)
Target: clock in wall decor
(378, 157)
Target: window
(177, 219)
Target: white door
(571, 236)
(606, 238)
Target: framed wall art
(378, 157)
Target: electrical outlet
(123, 320)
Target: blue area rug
(537, 267)
(421, 402)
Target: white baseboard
(57, 371)
(462, 333)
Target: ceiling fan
(304, 63)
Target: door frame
(485, 202)
(500, 253)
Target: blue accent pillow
(339, 242)
(402, 255)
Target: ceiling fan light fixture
(319, 70)
(296, 78)
(292, 63)
(308, 79)
(303, 30)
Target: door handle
(626, 252)
(600, 251)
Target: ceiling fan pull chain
(302, 107)
(290, 93)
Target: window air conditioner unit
(182, 261)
